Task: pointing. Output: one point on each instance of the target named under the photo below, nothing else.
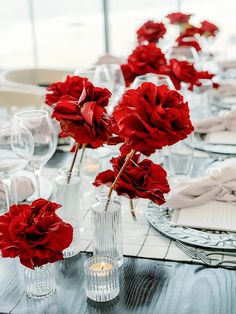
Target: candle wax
(101, 266)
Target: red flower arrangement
(139, 179)
(208, 29)
(184, 71)
(178, 18)
(151, 117)
(144, 59)
(150, 32)
(80, 107)
(34, 233)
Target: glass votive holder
(102, 278)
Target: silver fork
(205, 257)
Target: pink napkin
(108, 59)
(24, 186)
(220, 185)
(216, 124)
(228, 64)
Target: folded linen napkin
(226, 122)
(219, 185)
(228, 64)
(225, 90)
(24, 187)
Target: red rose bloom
(208, 29)
(144, 59)
(139, 180)
(34, 233)
(86, 122)
(184, 71)
(178, 18)
(151, 32)
(150, 117)
(189, 42)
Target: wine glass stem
(37, 173)
(7, 185)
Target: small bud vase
(107, 229)
(40, 282)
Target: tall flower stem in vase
(77, 147)
(132, 209)
(81, 157)
(127, 160)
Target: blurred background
(71, 33)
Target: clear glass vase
(107, 229)
(74, 248)
(40, 282)
(68, 194)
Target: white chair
(12, 101)
(32, 79)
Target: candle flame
(102, 265)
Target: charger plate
(200, 144)
(160, 216)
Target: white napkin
(226, 122)
(24, 187)
(220, 185)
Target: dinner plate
(160, 216)
(199, 143)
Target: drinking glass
(45, 139)
(16, 149)
(89, 73)
(185, 53)
(157, 79)
(181, 159)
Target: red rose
(72, 86)
(178, 18)
(144, 59)
(129, 76)
(151, 32)
(184, 71)
(188, 41)
(208, 29)
(139, 180)
(34, 233)
(87, 123)
(151, 117)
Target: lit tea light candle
(102, 278)
(101, 266)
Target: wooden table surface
(147, 286)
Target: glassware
(102, 278)
(157, 79)
(40, 282)
(107, 229)
(181, 159)
(45, 139)
(16, 148)
(68, 194)
(88, 73)
(73, 249)
(183, 53)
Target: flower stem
(81, 157)
(132, 210)
(77, 146)
(128, 158)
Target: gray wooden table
(147, 286)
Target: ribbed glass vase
(40, 282)
(107, 229)
(74, 248)
(68, 194)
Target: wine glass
(45, 139)
(89, 73)
(157, 79)
(16, 149)
(183, 53)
